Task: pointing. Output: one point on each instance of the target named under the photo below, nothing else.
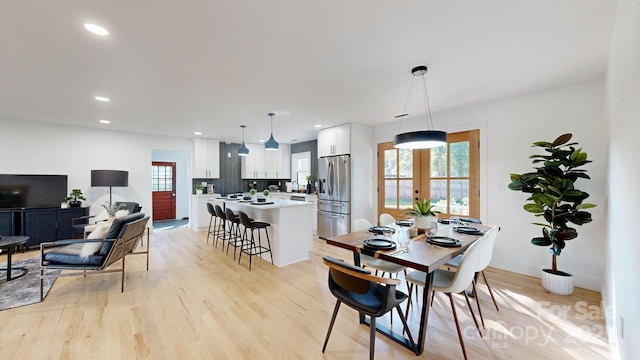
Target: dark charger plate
(379, 244)
(380, 229)
(444, 241)
(469, 230)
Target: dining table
(422, 255)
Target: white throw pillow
(89, 249)
(121, 213)
(99, 233)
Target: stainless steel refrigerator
(334, 196)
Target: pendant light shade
(423, 139)
(271, 144)
(243, 150)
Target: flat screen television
(32, 191)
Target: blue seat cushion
(67, 259)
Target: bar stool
(221, 226)
(234, 238)
(213, 221)
(250, 247)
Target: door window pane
(439, 195)
(390, 194)
(459, 197)
(406, 163)
(439, 162)
(406, 194)
(390, 164)
(459, 159)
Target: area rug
(24, 290)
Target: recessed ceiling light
(96, 29)
(102, 98)
(105, 122)
(197, 133)
(261, 140)
(317, 125)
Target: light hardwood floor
(197, 303)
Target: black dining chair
(368, 294)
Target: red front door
(164, 190)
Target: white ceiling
(175, 67)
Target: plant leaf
(562, 139)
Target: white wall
(621, 291)
(39, 148)
(507, 129)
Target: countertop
(277, 203)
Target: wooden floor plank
(197, 303)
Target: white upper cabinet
(334, 140)
(263, 164)
(206, 158)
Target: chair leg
(490, 292)
(372, 337)
(333, 319)
(455, 318)
(41, 285)
(466, 297)
(473, 283)
(122, 282)
(209, 231)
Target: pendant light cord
(406, 102)
(427, 105)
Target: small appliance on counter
(210, 189)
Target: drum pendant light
(271, 144)
(423, 139)
(243, 150)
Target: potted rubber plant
(423, 213)
(554, 197)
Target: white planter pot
(198, 192)
(560, 284)
(422, 222)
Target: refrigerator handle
(330, 178)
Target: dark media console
(39, 224)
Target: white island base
(291, 230)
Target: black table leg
(426, 304)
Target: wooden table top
(421, 256)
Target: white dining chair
(366, 260)
(387, 219)
(450, 282)
(483, 263)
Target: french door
(447, 175)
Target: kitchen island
(291, 230)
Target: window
(301, 167)
(162, 178)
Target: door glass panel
(390, 164)
(406, 163)
(439, 162)
(459, 197)
(439, 195)
(390, 194)
(459, 159)
(406, 194)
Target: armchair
(78, 224)
(93, 256)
